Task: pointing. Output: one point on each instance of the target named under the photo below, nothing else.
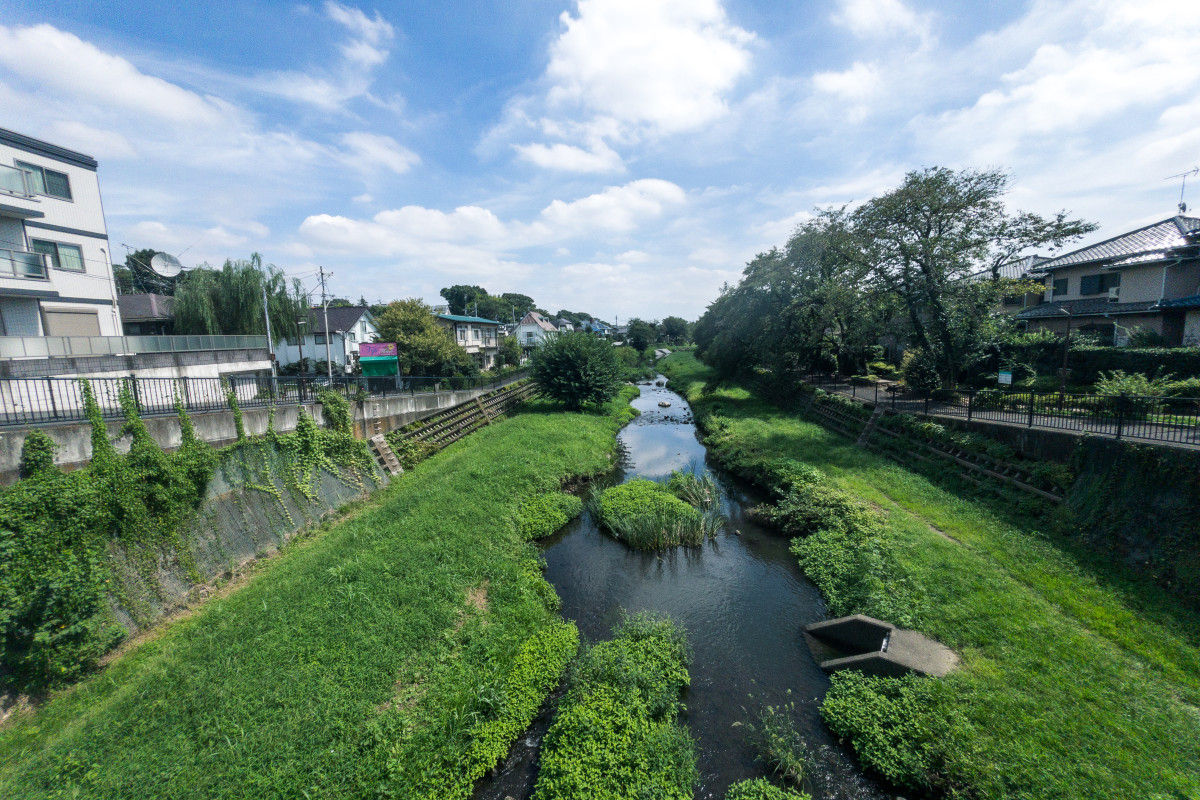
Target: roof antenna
(1183, 185)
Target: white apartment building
(56, 275)
(478, 336)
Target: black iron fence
(1124, 416)
(34, 401)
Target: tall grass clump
(616, 736)
(699, 490)
(761, 789)
(779, 745)
(646, 515)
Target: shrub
(761, 789)
(1088, 362)
(919, 371)
(615, 735)
(543, 514)
(577, 370)
(37, 454)
(778, 743)
(882, 369)
(1140, 392)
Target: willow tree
(230, 300)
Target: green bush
(919, 371)
(37, 454)
(543, 514)
(1088, 362)
(761, 789)
(336, 411)
(895, 725)
(615, 736)
(577, 370)
(882, 369)
(646, 515)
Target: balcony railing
(14, 181)
(57, 346)
(23, 264)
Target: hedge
(1088, 362)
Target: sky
(619, 157)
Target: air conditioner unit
(1114, 294)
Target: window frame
(1066, 286)
(1103, 281)
(56, 256)
(26, 166)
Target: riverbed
(740, 597)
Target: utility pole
(270, 343)
(325, 306)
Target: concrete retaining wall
(372, 416)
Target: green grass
(647, 515)
(1077, 679)
(399, 652)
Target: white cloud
(66, 65)
(363, 198)
(366, 151)
(617, 208)
(859, 83)
(100, 144)
(569, 158)
(878, 19)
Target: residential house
(564, 325)
(1148, 278)
(349, 326)
(476, 335)
(597, 327)
(56, 275)
(532, 330)
(147, 314)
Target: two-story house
(56, 275)
(1147, 278)
(349, 326)
(532, 330)
(478, 336)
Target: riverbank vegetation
(399, 652)
(1077, 680)
(649, 515)
(616, 734)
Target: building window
(1061, 286)
(62, 256)
(47, 181)
(1099, 284)
(353, 336)
(320, 338)
(529, 336)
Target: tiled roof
(340, 319)
(145, 307)
(1084, 308)
(534, 318)
(1182, 302)
(1151, 243)
(460, 318)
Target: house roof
(145, 307)
(1182, 302)
(340, 319)
(460, 318)
(1092, 307)
(534, 318)
(1152, 243)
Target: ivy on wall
(60, 533)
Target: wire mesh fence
(35, 401)
(1124, 416)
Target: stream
(741, 598)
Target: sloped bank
(398, 654)
(1073, 683)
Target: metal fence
(35, 401)
(1157, 419)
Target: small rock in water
(737, 532)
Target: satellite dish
(166, 265)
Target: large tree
(674, 329)
(641, 334)
(230, 300)
(926, 238)
(519, 304)
(422, 345)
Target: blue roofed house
(478, 336)
(1146, 278)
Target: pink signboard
(377, 350)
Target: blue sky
(622, 157)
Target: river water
(740, 597)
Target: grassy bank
(1075, 681)
(396, 655)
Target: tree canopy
(422, 345)
(230, 300)
(576, 369)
